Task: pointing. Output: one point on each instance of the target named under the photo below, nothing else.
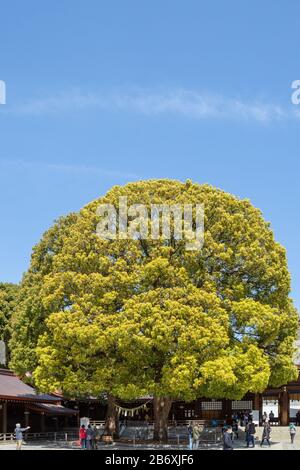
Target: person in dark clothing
(227, 439)
(96, 437)
(190, 434)
(224, 427)
(266, 434)
(89, 437)
(235, 429)
(271, 417)
(250, 434)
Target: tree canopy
(131, 317)
(8, 302)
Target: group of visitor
(231, 432)
(250, 432)
(242, 418)
(89, 437)
(270, 418)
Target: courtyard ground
(279, 441)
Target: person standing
(266, 434)
(271, 417)
(235, 429)
(96, 436)
(89, 437)
(227, 439)
(250, 434)
(292, 432)
(190, 434)
(82, 437)
(19, 435)
(298, 418)
(196, 436)
(224, 427)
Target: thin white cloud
(60, 103)
(178, 102)
(199, 106)
(66, 168)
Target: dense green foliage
(146, 316)
(8, 302)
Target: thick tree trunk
(161, 407)
(112, 420)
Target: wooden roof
(12, 388)
(52, 409)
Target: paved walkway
(280, 440)
(63, 446)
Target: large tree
(27, 322)
(129, 317)
(8, 302)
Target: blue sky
(105, 92)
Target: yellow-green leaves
(8, 302)
(133, 317)
(233, 375)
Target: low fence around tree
(133, 432)
(44, 436)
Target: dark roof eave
(36, 399)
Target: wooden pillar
(284, 408)
(56, 423)
(198, 409)
(227, 410)
(26, 413)
(4, 417)
(256, 401)
(66, 421)
(258, 405)
(43, 427)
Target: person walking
(250, 434)
(196, 436)
(190, 434)
(266, 434)
(292, 432)
(227, 439)
(82, 437)
(19, 435)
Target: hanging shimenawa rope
(131, 411)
